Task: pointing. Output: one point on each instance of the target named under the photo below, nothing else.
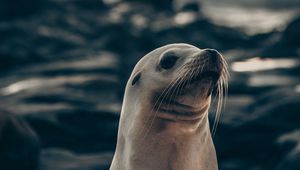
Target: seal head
(164, 119)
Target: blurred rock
(10, 9)
(254, 135)
(19, 145)
(188, 5)
(157, 4)
(288, 44)
(290, 145)
(60, 159)
(90, 4)
(203, 34)
(81, 131)
(70, 103)
(287, 95)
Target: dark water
(64, 65)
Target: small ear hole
(136, 79)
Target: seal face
(192, 83)
(165, 108)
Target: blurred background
(64, 65)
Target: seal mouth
(173, 110)
(178, 116)
(176, 112)
(185, 96)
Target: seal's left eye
(168, 62)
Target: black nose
(212, 59)
(212, 55)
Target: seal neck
(169, 146)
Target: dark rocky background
(64, 65)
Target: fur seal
(164, 118)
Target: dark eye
(136, 79)
(168, 61)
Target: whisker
(222, 92)
(161, 98)
(159, 102)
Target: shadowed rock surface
(19, 145)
